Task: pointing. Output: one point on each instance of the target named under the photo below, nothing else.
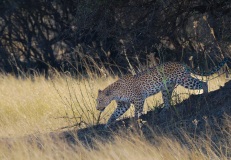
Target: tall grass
(123, 147)
(41, 106)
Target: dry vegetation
(31, 109)
(57, 119)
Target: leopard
(134, 89)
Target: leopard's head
(103, 100)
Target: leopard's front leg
(139, 105)
(122, 107)
(166, 95)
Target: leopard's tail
(213, 70)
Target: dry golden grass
(122, 148)
(40, 106)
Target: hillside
(199, 116)
(197, 128)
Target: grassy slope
(32, 108)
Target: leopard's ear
(99, 91)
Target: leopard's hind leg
(193, 83)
